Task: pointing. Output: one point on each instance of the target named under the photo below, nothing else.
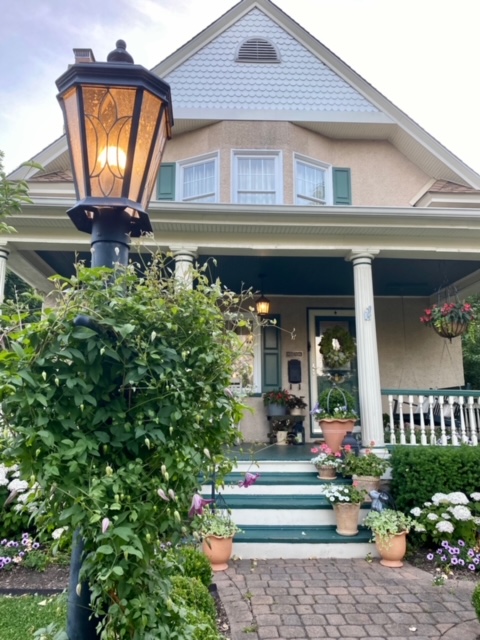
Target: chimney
(83, 55)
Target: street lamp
(118, 117)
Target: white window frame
(316, 164)
(258, 153)
(189, 162)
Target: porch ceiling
(309, 276)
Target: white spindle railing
(421, 417)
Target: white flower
(460, 512)
(444, 526)
(57, 534)
(18, 485)
(476, 520)
(439, 497)
(419, 527)
(475, 496)
(446, 516)
(416, 511)
(457, 497)
(432, 517)
(427, 504)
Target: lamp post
(118, 117)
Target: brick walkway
(346, 599)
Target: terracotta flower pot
(334, 432)
(327, 473)
(347, 518)
(367, 483)
(392, 549)
(218, 551)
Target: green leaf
(123, 532)
(106, 549)
(118, 571)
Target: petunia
(250, 478)
(198, 503)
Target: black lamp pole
(118, 117)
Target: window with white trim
(198, 179)
(257, 177)
(246, 377)
(312, 182)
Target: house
(305, 182)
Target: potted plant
(390, 528)
(366, 469)
(450, 319)
(216, 528)
(296, 405)
(326, 462)
(276, 402)
(335, 411)
(345, 500)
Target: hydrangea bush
(449, 517)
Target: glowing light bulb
(114, 156)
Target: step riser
(282, 517)
(284, 466)
(274, 550)
(266, 490)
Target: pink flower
(105, 524)
(250, 478)
(196, 508)
(314, 449)
(163, 495)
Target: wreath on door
(337, 347)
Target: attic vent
(257, 50)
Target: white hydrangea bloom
(475, 496)
(427, 504)
(416, 511)
(440, 498)
(446, 516)
(476, 520)
(419, 527)
(18, 485)
(432, 517)
(444, 526)
(460, 512)
(457, 497)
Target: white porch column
(367, 350)
(3, 271)
(184, 257)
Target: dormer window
(257, 50)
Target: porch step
(274, 483)
(287, 541)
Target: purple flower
(476, 560)
(455, 550)
(439, 551)
(443, 558)
(470, 553)
(21, 554)
(445, 544)
(250, 478)
(461, 543)
(454, 560)
(196, 508)
(472, 567)
(36, 545)
(461, 562)
(430, 556)
(163, 495)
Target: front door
(322, 377)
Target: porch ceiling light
(118, 117)
(262, 305)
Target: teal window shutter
(166, 181)
(271, 356)
(342, 186)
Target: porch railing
(433, 417)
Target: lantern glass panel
(108, 123)
(70, 105)
(148, 119)
(155, 161)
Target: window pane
(310, 184)
(256, 180)
(199, 182)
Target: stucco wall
(411, 356)
(381, 176)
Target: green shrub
(193, 563)
(420, 472)
(476, 600)
(205, 628)
(194, 594)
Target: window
(312, 182)
(198, 179)
(247, 375)
(257, 177)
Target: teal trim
(289, 502)
(430, 392)
(342, 186)
(322, 534)
(166, 181)
(277, 479)
(271, 355)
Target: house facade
(301, 180)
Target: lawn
(21, 616)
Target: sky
(423, 55)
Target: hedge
(418, 472)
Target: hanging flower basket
(337, 347)
(450, 319)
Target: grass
(21, 616)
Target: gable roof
(311, 87)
